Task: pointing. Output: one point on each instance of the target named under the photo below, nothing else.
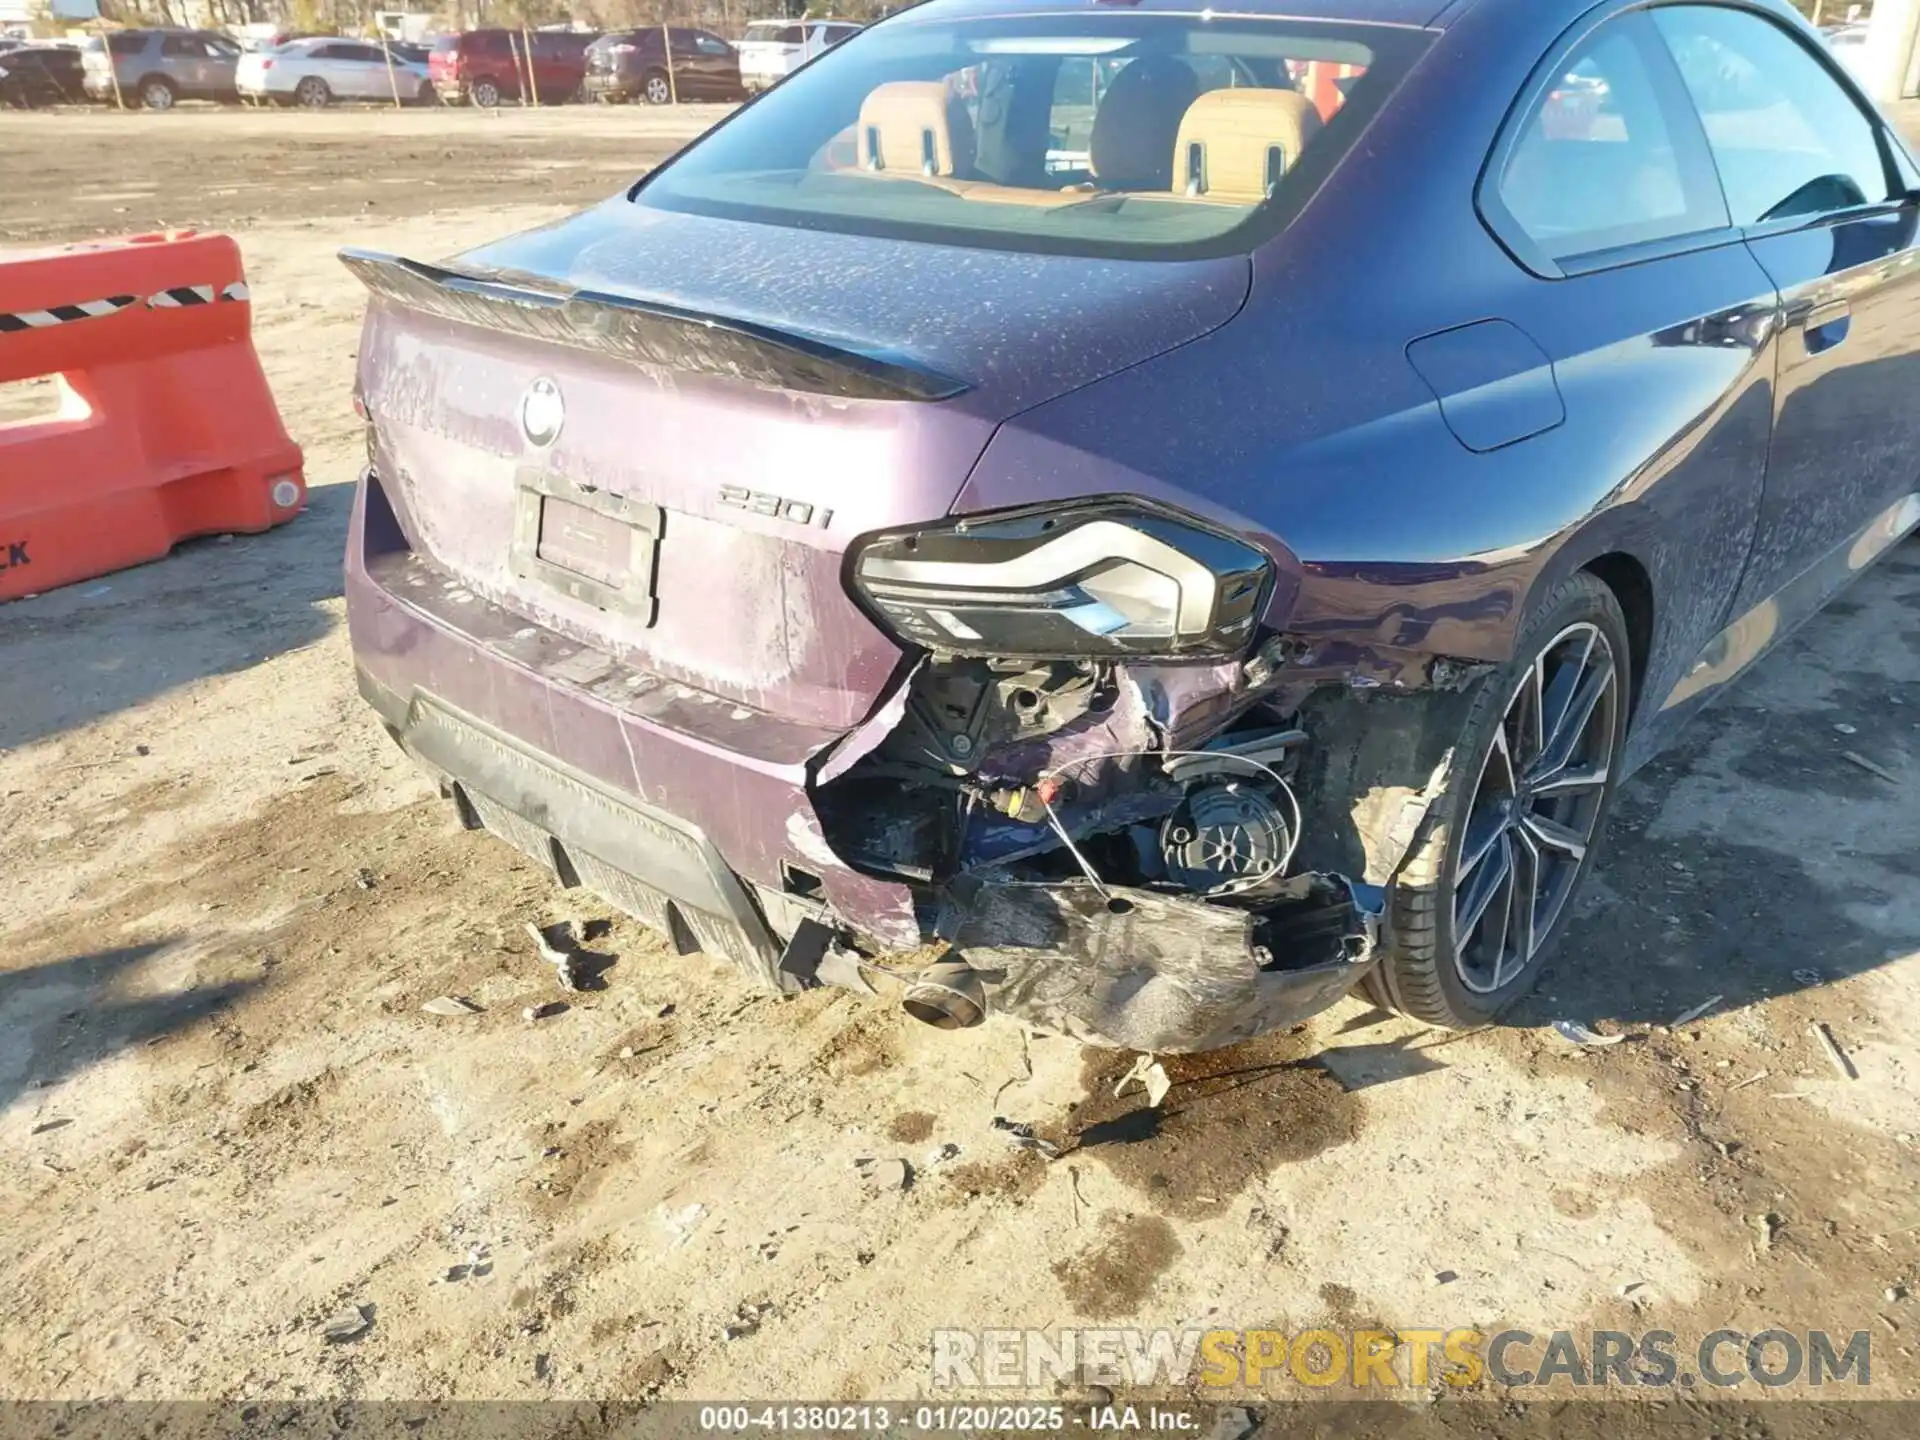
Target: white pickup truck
(773, 49)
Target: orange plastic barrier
(165, 427)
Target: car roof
(1370, 12)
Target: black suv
(637, 65)
(33, 75)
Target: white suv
(774, 49)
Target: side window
(1608, 156)
(177, 47)
(708, 45)
(1788, 139)
(325, 52)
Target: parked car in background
(485, 67)
(315, 73)
(157, 67)
(34, 75)
(1849, 46)
(771, 50)
(639, 65)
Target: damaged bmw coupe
(1143, 517)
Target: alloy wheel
(1535, 808)
(312, 93)
(157, 96)
(486, 95)
(658, 91)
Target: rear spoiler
(645, 331)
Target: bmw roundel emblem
(542, 412)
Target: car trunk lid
(658, 433)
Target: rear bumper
(695, 815)
(580, 746)
(594, 86)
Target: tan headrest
(1236, 144)
(915, 127)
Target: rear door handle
(1827, 325)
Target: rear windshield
(442, 44)
(779, 34)
(1150, 135)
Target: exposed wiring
(1236, 887)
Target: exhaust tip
(948, 995)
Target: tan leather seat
(1235, 146)
(915, 127)
(1138, 115)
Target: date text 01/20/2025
(940, 1419)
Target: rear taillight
(1115, 579)
(266, 64)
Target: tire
(158, 93)
(485, 94)
(1441, 964)
(656, 88)
(312, 93)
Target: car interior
(1223, 131)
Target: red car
(485, 67)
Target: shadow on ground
(59, 1018)
(212, 607)
(1722, 905)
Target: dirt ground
(224, 1115)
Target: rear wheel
(312, 93)
(484, 93)
(157, 93)
(656, 89)
(1485, 892)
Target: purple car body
(665, 561)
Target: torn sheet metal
(1156, 972)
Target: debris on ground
(45, 1125)
(940, 1155)
(1807, 977)
(476, 1266)
(364, 878)
(1867, 765)
(1023, 1136)
(1753, 1079)
(1233, 1422)
(1151, 1075)
(1692, 1015)
(451, 1005)
(1766, 1227)
(680, 1224)
(1443, 1277)
(746, 1320)
(349, 1324)
(559, 949)
(885, 1175)
(1576, 1033)
(1835, 1055)
(543, 1011)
